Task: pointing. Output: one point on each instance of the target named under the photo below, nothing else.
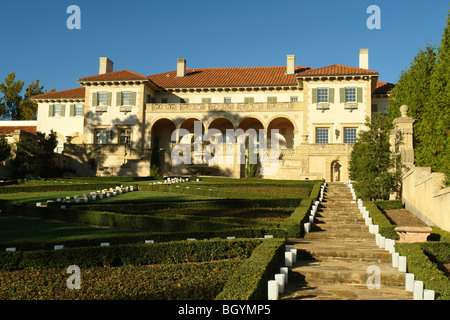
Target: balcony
(226, 107)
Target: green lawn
(25, 229)
(211, 203)
(32, 198)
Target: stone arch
(222, 124)
(189, 125)
(162, 128)
(335, 171)
(251, 122)
(286, 131)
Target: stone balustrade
(224, 107)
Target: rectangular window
(206, 100)
(101, 136)
(126, 98)
(102, 98)
(294, 99)
(57, 110)
(322, 135)
(125, 136)
(349, 135)
(249, 100)
(350, 94)
(322, 95)
(271, 99)
(78, 110)
(226, 100)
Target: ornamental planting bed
(236, 231)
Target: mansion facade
(110, 124)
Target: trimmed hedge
(389, 204)
(58, 187)
(130, 254)
(136, 238)
(386, 229)
(294, 224)
(185, 281)
(249, 282)
(419, 263)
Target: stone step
(344, 235)
(332, 250)
(317, 226)
(337, 214)
(301, 290)
(339, 219)
(334, 257)
(338, 271)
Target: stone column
(404, 127)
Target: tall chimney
(106, 65)
(181, 67)
(364, 58)
(290, 65)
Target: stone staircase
(334, 257)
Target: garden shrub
(129, 254)
(386, 229)
(389, 204)
(187, 281)
(249, 281)
(136, 238)
(419, 263)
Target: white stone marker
(285, 271)
(191, 239)
(288, 259)
(294, 255)
(280, 279)
(149, 241)
(418, 290)
(392, 247)
(307, 227)
(13, 249)
(402, 263)
(409, 282)
(272, 288)
(428, 294)
(231, 238)
(376, 229)
(58, 247)
(104, 244)
(268, 236)
(381, 241)
(395, 257)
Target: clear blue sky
(148, 36)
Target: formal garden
(190, 239)
(209, 238)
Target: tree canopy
(425, 89)
(14, 106)
(374, 168)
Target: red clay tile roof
(11, 129)
(336, 70)
(383, 87)
(70, 93)
(227, 77)
(116, 75)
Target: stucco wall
(424, 195)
